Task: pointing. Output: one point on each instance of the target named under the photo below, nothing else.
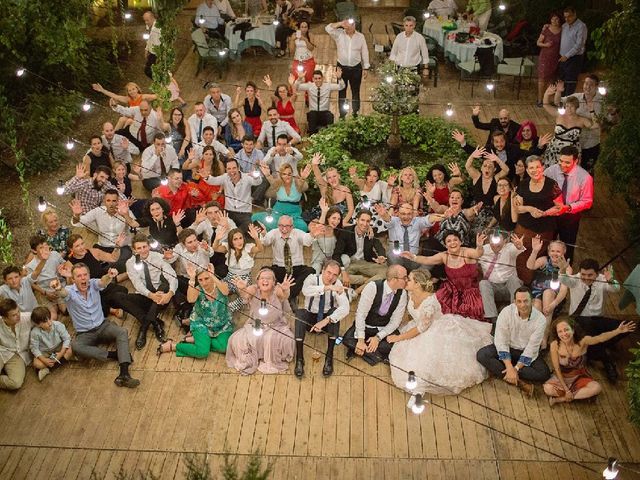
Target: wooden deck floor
(353, 425)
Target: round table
(263, 36)
(460, 52)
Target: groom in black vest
(379, 314)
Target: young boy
(43, 269)
(18, 288)
(50, 342)
(14, 345)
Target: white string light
(168, 139)
(86, 106)
(300, 68)
(426, 15)
(389, 79)
(351, 21)
(490, 85)
(345, 106)
(138, 263)
(269, 217)
(502, 7)
(276, 22)
(396, 247)
(42, 204)
(602, 88)
(222, 53)
(257, 328)
(69, 145)
(449, 110)
(412, 382)
(153, 243)
(263, 310)
(164, 181)
(561, 109)
(496, 237)
(201, 20)
(418, 405)
(20, 72)
(146, 36)
(611, 471)
(127, 15)
(60, 188)
(255, 173)
(366, 203)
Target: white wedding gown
(443, 354)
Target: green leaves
(633, 387)
(396, 92)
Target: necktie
(405, 239)
(321, 303)
(200, 132)
(147, 278)
(583, 303)
(318, 98)
(491, 266)
(288, 264)
(142, 133)
(111, 149)
(163, 167)
(386, 303)
(565, 187)
(273, 135)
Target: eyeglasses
(285, 226)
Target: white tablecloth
(459, 52)
(264, 33)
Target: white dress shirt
(109, 226)
(220, 111)
(153, 126)
(320, 97)
(211, 15)
(274, 158)
(579, 189)
(352, 49)
(409, 51)
(267, 132)
(209, 230)
(297, 240)
(117, 150)
(154, 39)
(519, 334)
(15, 343)
(505, 264)
(237, 196)
(151, 161)
(158, 267)
(367, 297)
(224, 7)
(217, 147)
(207, 120)
(313, 289)
(577, 289)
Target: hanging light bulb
(389, 79)
(449, 110)
(164, 181)
(69, 145)
(153, 243)
(555, 281)
(20, 72)
(490, 86)
(146, 35)
(257, 328)
(411, 381)
(263, 310)
(222, 53)
(561, 109)
(127, 15)
(418, 405)
(495, 238)
(86, 106)
(201, 20)
(502, 7)
(300, 68)
(42, 204)
(366, 203)
(426, 15)
(269, 217)
(276, 22)
(60, 188)
(396, 247)
(611, 471)
(168, 139)
(255, 173)
(602, 88)
(345, 106)
(138, 263)
(351, 21)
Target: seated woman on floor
(325, 243)
(372, 191)
(568, 351)
(210, 323)
(331, 188)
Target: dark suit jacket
(346, 245)
(493, 125)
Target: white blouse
(242, 266)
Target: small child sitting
(50, 342)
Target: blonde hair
(329, 189)
(423, 278)
(416, 183)
(129, 84)
(46, 214)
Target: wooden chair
(214, 51)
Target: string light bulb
(138, 263)
(164, 181)
(20, 72)
(222, 53)
(153, 243)
(257, 327)
(366, 203)
(168, 139)
(396, 247)
(86, 106)
(412, 382)
(490, 86)
(351, 21)
(418, 405)
(426, 15)
(276, 22)
(263, 310)
(255, 173)
(127, 15)
(555, 281)
(495, 238)
(201, 20)
(389, 79)
(69, 145)
(561, 109)
(611, 471)
(300, 68)
(60, 188)
(42, 204)
(449, 110)
(602, 88)
(502, 7)
(146, 36)
(269, 217)
(345, 106)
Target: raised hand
(76, 207)
(54, 284)
(481, 237)
(177, 217)
(353, 171)
(608, 273)
(191, 270)
(545, 139)
(287, 282)
(563, 263)
(305, 172)
(479, 152)
(97, 87)
(476, 111)
(64, 270)
(123, 208)
(536, 243)
(291, 79)
(492, 156)
(458, 136)
(316, 159)
(430, 189)
(112, 272)
(201, 216)
(238, 90)
(120, 239)
(625, 327)
(239, 283)
(267, 80)
(253, 231)
(324, 206)
(391, 180)
(455, 169)
(81, 172)
(518, 241)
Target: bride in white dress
(440, 349)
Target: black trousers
(282, 34)
(141, 307)
(568, 72)
(300, 272)
(108, 297)
(593, 326)
(219, 262)
(151, 59)
(568, 225)
(380, 355)
(125, 254)
(589, 157)
(318, 119)
(125, 132)
(537, 372)
(241, 219)
(352, 77)
(306, 319)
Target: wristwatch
(569, 208)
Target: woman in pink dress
(283, 98)
(460, 292)
(549, 43)
(266, 342)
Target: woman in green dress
(210, 323)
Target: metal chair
(483, 66)
(213, 51)
(516, 67)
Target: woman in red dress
(283, 98)
(460, 292)
(200, 190)
(252, 106)
(549, 43)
